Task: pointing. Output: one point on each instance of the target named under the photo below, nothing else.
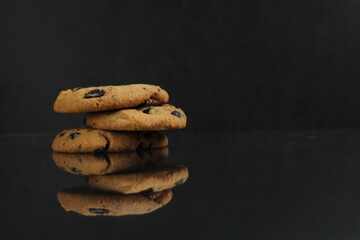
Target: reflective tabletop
(242, 185)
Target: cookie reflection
(124, 183)
(155, 179)
(88, 202)
(107, 163)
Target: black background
(228, 64)
(231, 65)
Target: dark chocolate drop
(61, 134)
(149, 194)
(176, 113)
(75, 170)
(106, 147)
(95, 93)
(147, 110)
(181, 181)
(99, 210)
(73, 135)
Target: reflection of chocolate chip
(99, 210)
(73, 135)
(94, 93)
(147, 110)
(181, 181)
(149, 148)
(148, 135)
(75, 170)
(149, 163)
(105, 157)
(176, 113)
(106, 147)
(139, 150)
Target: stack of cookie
(119, 149)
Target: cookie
(155, 179)
(164, 117)
(95, 99)
(107, 163)
(84, 140)
(86, 202)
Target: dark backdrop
(228, 64)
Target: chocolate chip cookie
(107, 163)
(84, 140)
(155, 179)
(164, 117)
(94, 99)
(87, 202)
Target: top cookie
(95, 99)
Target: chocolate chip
(181, 181)
(106, 147)
(75, 170)
(176, 113)
(148, 135)
(99, 210)
(149, 194)
(144, 104)
(61, 134)
(139, 150)
(147, 110)
(75, 89)
(149, 163)
(150, 146)
(73, 135)
(95, 93)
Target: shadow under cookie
(87, 202)
(108, 163)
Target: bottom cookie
(87, 202)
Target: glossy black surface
(242, 185)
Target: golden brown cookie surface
(154, 118)
(85, 140)
(107, 163)
(87, 202)
(94, 99)
(156, 179)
